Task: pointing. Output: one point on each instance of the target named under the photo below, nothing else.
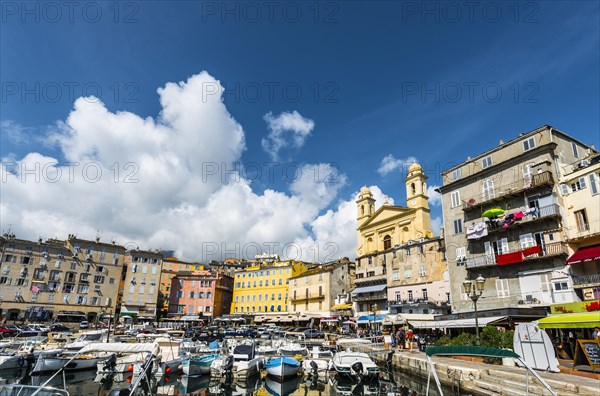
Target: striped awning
(342, 306)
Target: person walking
(400, 339)
(596, 333)
(409, 339)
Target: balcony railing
(545, 212)
(371, 278)
(489, 260)
(586, 280)
(498, 193)
(308, 298)
(372, 296)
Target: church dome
(415, 167)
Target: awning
(368, 289)
(394, 320)
(580, 320)
(454, 324)
(342, 306)
(329, 319)
(369, 319)
(190, 318)
(130, 314)
(585, 254)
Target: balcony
(580, 281)
(547, 251)
(371, 278)
(371, 296)
(510, 189)
(495, 226)
(311, 297)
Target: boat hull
(8, 362)
(198, 366)
(282, 368)
(46, 364)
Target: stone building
(518, 247)
(204, 294)
(380, 233)
(580, 187)
(315, 291)
(40, 279)
(142, 272)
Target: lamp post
(374, 309)
(297, 319)
(474, 289)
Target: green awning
(579, 320)
(470, 351)
(130, 314)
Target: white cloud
(389, 164)
(436, 224)
(166, 182)
(435, 198)
(13, 132)
(287, 130)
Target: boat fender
(314, 368)
(21, 361)
(357, 368)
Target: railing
(548, 211)
(309, 297)
(489, 260)
(523, 184)
(371, 278)
(586, 279)
(373, 296)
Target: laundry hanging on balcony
(476, 231)
(509, 258)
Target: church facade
(397, 251)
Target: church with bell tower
(398, 258)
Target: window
(422, 271)
(455, 198)
(10, 258)
(154, 270)
(387, 242)
(458, 226)
(575, 150)
(529, 144)
(21, 282)
(564, 189)
(410, 295)
(396, 276)
(5, 281)
(25, 260)
(280, 281)
(486, 162)
(111, 281)
(582, 220)
(488, 189)
(424, 294)
(408, 274)
(457, 174)
(526, 240)
(578, 185)
(546, 284)
(98, 279)
(593, 185)
(563, 285)
(502, 288)
(192, 294)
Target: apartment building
(315, 291)
(263, 286)
(504, 219)
(200, 293)
(380, 234)
(39, 279)
(580, 187)
(418, 279)
(170, 268)
(142, 272)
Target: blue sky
(436, 81)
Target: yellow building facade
(264, 287)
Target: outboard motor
(228, 364)
(314, 369)
(357, 369)
(111, 363)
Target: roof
(367, 289)
(470, 351)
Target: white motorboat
(124, 356)
(355, 365)
(282, 367)
(25, 390)
(12, 361)
(86, 338)
(199, 365)
(242, 364)
(51, 363)
(315, 366)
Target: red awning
(585, 254)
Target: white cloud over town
(287, 130)
(390, 164)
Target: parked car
(313, 333)
(40, 328)
(7, 330)
(59, 327)
(84, 325)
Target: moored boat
(282, 367)
(354, 365)
(198, 365)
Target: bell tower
(416, 198)
(365, 205)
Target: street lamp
(297, 319)
(474, 293)
(374, 309)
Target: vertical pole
(477, 340)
